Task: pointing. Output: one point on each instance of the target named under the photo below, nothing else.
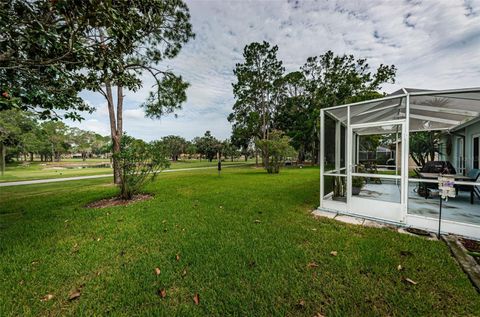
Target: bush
(139, 162)
(358, 182)
(275, 150)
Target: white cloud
(434, 44)
(92, 125)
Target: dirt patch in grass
(473, 248)
(117, 201)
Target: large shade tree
(332, 80)
(14, 126)
(293, 116)
(208, 145)
(255, 94)
(174, 145)
(54, 49)
(132, 39)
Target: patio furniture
(431, 170)
(439, 167)
(473, 176)
(455, 176)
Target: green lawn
(244, 240)
(70, 168)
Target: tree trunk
(3, 151)
(31, 156)
(115, 126)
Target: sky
(435, 44)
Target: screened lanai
(381, 159)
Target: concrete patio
(456, 209)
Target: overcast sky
(434, 44)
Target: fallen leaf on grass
(162, 293)
(301, 304)
(184, 273)
(411, 281)
(74, 295)
(312, 265)
(47, 297)
(177, 257)
(196, 299)
(319, 315)
(399, 267)
(157, 271)
(334, 253)
(257, 221)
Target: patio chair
(474, 175)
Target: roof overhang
(429, 110)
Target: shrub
(358, 182)
(139, 162)
(275, 150)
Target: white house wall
(470, 131)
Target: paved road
(76, 178)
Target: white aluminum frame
(406, 219)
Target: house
(397, 195)
(462, 146)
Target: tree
(57, 138)
(101, 145)
(423, 146)
(95, 45)
(243, 140)
(82, 141)
(208, 145)
(139, 162)
(294, 113)
(334, 80)
(15, 126)
(175, 146)
(279, 149)
(132, 38)
(42, 49)
(190, 149)
(255, 93)
(230, 150)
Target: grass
(244, 239)
(70, 168)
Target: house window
(476, 152)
